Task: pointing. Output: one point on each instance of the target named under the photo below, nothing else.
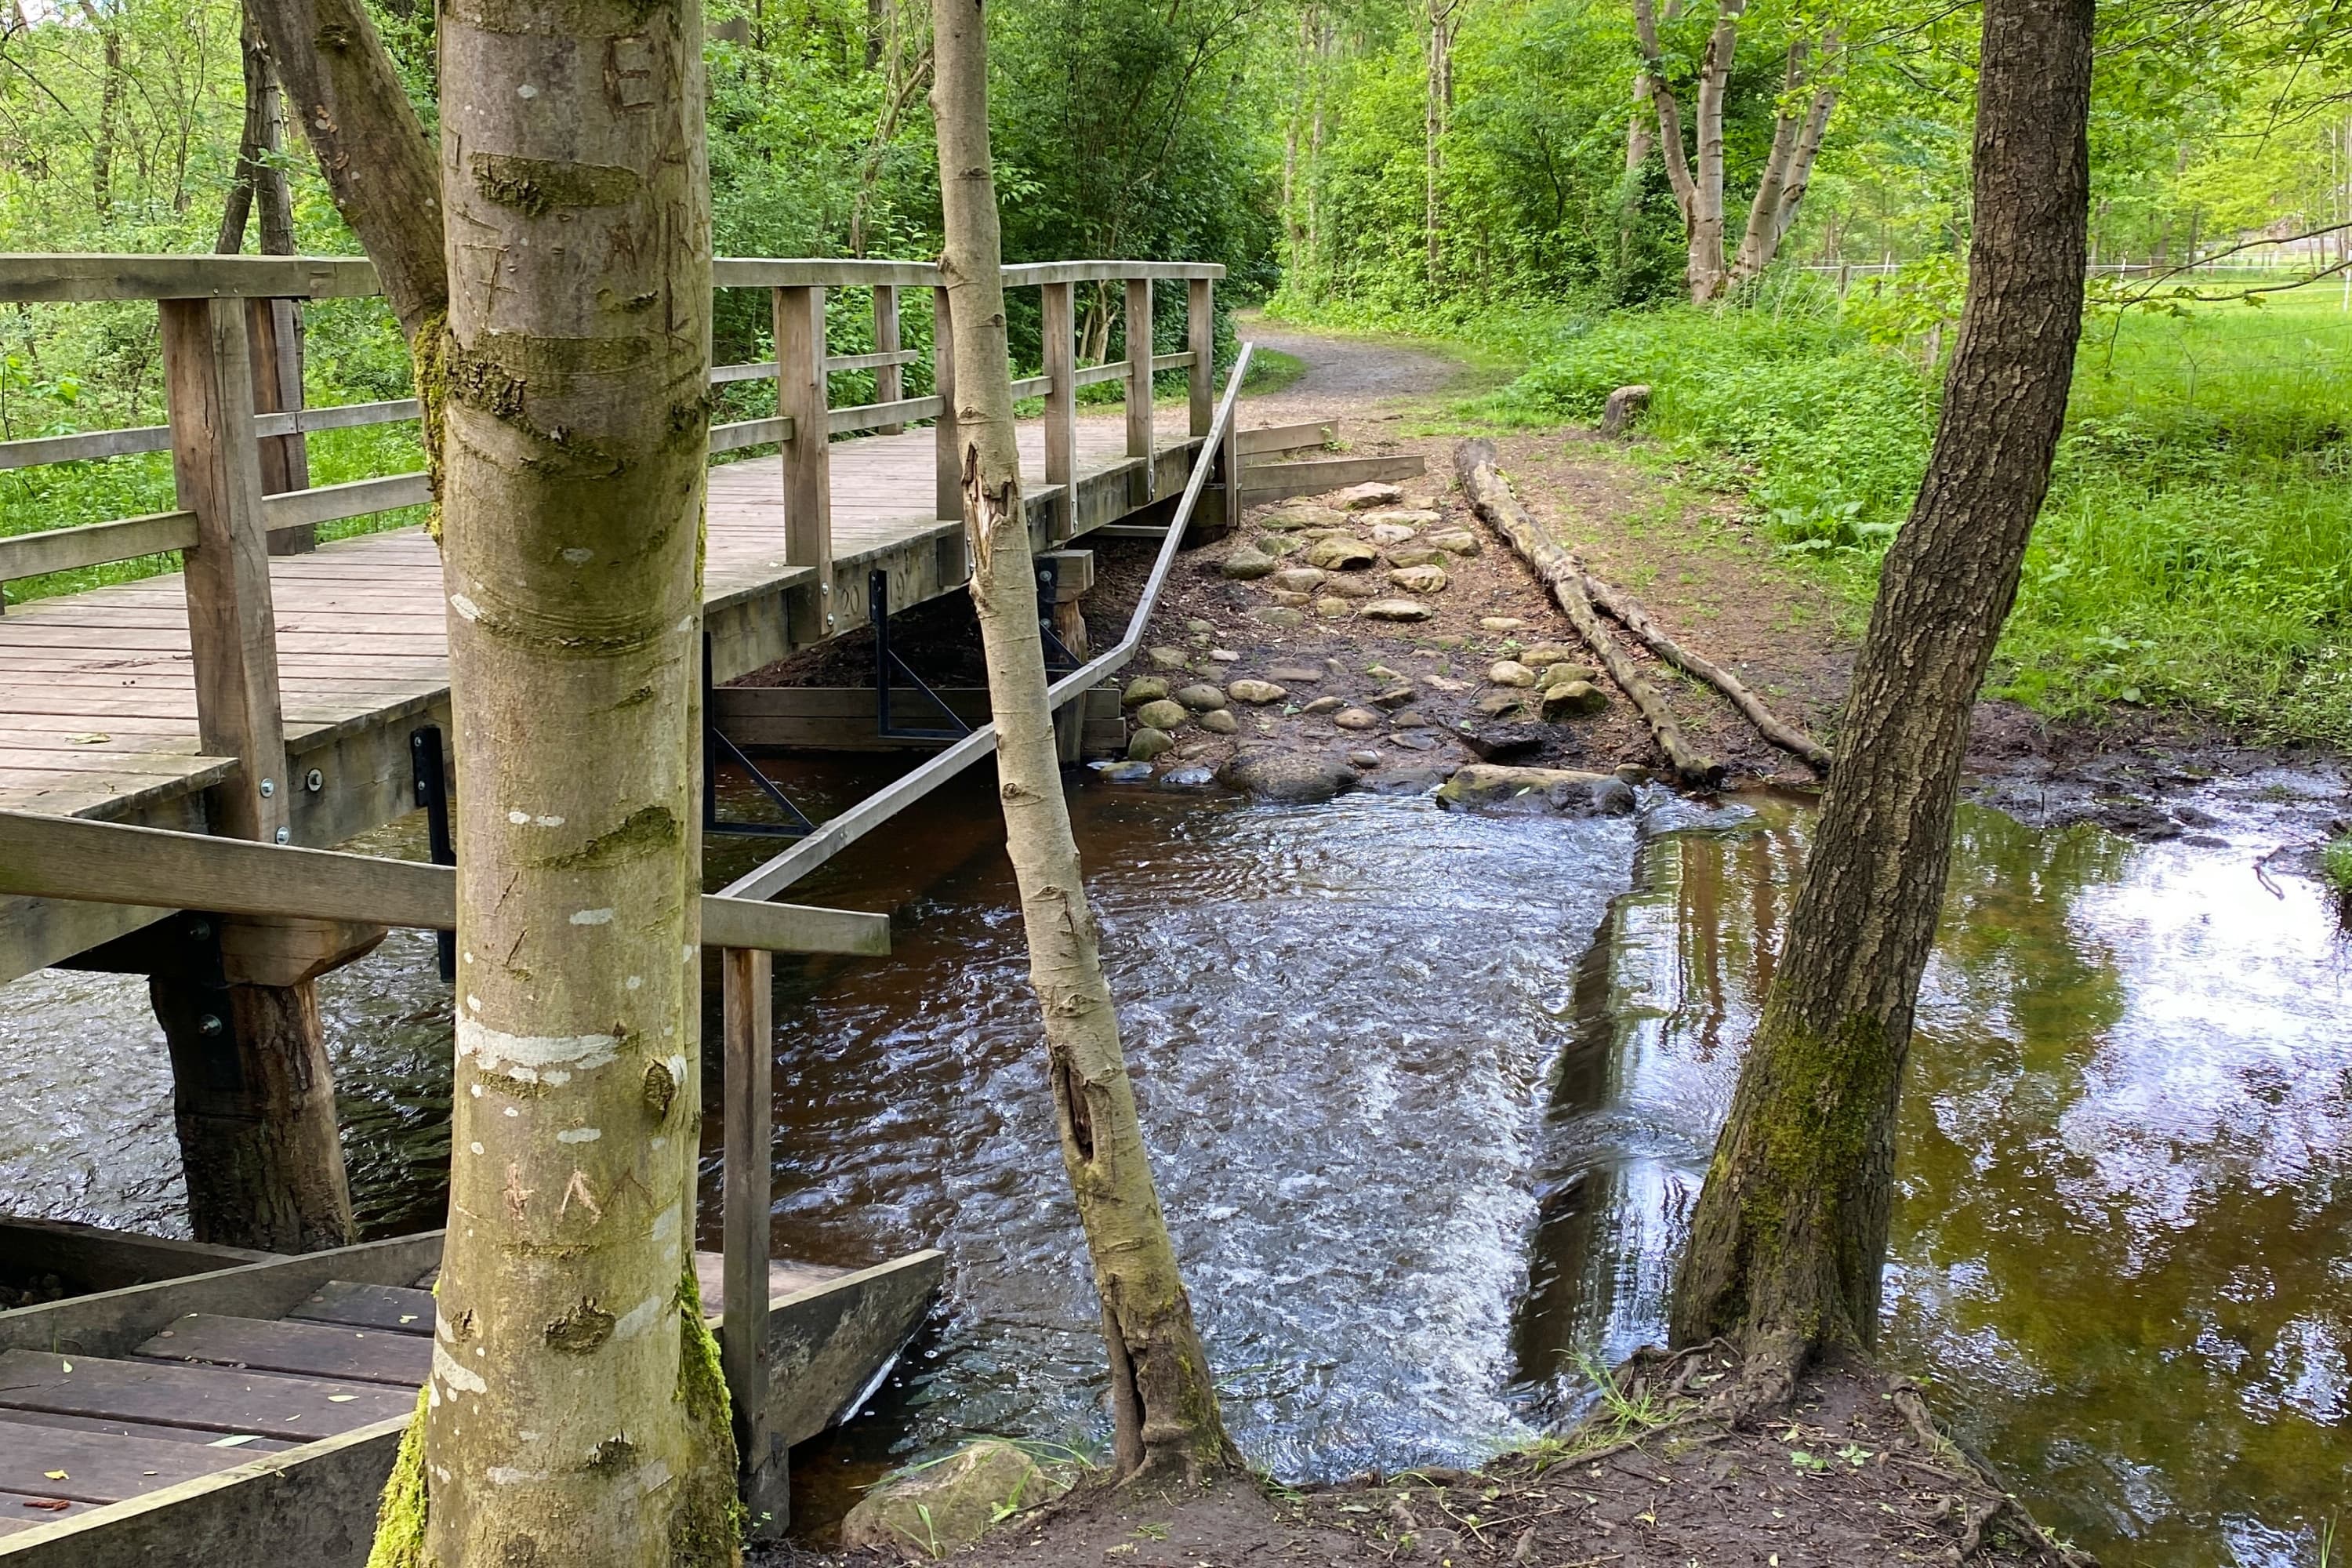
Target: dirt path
(1345, 377)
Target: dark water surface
(1426, 1145)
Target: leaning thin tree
(1789, 1235)
(575, 1413)
(1163, 1396)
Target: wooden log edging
(1628, 611)
(1474, 461)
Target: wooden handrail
(152, 868)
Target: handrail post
(232, 632)
(1141, 487)
(801, 395)
(948, 483)
(1201, 334)
(889, 380)
(275, 326)
(1059, 315)
(253, 1093)
(747, 1011)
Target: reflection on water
(1375, 1056)
(2124, 1237)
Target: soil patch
(1842, 1479)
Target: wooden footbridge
(178, 753)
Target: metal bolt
(208, 1025)
(285, 836)
(268, 788)
(200, 931)
(314, 781)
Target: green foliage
(2197, 545)
(2336, 864)
(399, 1518)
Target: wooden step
(97, 1466)
(392, 1308)
(211, 1399)
(310, 1350)
(30, 1513)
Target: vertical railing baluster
(948, 481)
(889, 380)
(1201, 337)
(747, 1120)
(276, 329)
(808, 487)
(1143, 485)
(1059, 314)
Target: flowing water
(1427, 1144)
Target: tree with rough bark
(1788, 1237)
(260, 180)
(1163, 1395)
(1808, 94)
(575, 1411)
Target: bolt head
(285, 836)
(209, 1024)
(268, 788)
(314, 781)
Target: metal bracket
(1059, 659)
(717, 748)
(877, 613)
(431, 777)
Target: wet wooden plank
(19, 1514)
(247, 1444)
(393, 1309)
(212, 1399)
(312, 1350)
(99, 1467)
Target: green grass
(2336, 864)
(2196, 550)
(1272, 371)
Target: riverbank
(1853, 1473)
(1716, 577)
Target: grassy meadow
(2195, 551)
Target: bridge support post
(255, 1094)
(1061, 344)
(950, 465)
(801, 395)
(747, 1010)
(889, 380)
(1139, 488)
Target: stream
(1428, 1143)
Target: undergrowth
(2195, 552)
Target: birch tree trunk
(574, 1412)
(1705, 271)
(1163, 1396)
(1789, 165)
(1788, 1237)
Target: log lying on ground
(1628, 611)
(1493, 499)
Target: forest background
(1487, 171)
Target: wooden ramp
(255, 1410)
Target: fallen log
(1494, 501)
(1628, 612)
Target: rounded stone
(1561, 674)
(1299, 579)
(1364, 759)
(1223, 655)
(1334, 609)
(1287, 599)
(1277, 616)
(1397, 610)
(1279, 774)
(1502, 624)
(1244, 564)
(1220, 721)
(1325, 705)
(1510, 672)
(1170, 658)
(1458, 542)
(1574, 700)
(1363, 497)
(1420, 579)
(1143, 688)
(1391, 532)
(1544, 653)
(1146, 744)
(1357, 719)
(1200, 698)
(1418, 556)
(1340, 552)
(1161, 715)
(1256, 691)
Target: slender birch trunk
(1707, 275)
(576, 1412)
(1789, 166)
(1163, 1395)
(1788, 1239)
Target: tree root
(1988, 1502)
